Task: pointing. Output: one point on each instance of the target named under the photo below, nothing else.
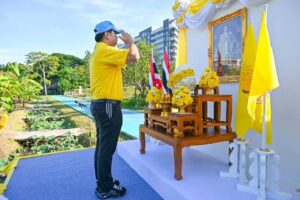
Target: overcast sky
(66, 26)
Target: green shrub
(43, 118)
(3, 162)
(137, 103)
(40, 145)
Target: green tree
(65, 79)
(86, 59)
(71, 78)
(65, 60)
(43, 66)
(137, 74)
(80, 77)
(72, 72)
(15, 84)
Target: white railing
(81, 92)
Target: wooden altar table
(179, 143)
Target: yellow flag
(181, 57)
(264, 78)
(243, 121)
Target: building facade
(164, 38)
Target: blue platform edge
(70, 176)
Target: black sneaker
(116, 182)
(115, 192)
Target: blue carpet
(70, 176)
(131, 119)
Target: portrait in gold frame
(226, 36)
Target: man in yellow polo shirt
(106, 66)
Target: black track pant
(108, 117)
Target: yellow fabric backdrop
(181, 57)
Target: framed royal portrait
(226, 36)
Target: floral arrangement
(182, 76)
(209, 78)
(166, 98)
(182, 97)
(179, 11)
(154, 95)
(3, 120)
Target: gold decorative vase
(182, 109)
(207, 90)
(153, 105)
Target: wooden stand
(204, 90)
(166, 109)
(179, 143)
(201, 110)
(150, 111)
(157, 122)
(173, 129)
(182, 123)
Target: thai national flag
(154, 79)
(166, 71)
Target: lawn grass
(138, 104)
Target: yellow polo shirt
(106, 65)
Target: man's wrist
(130, 43)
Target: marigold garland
(175, 78)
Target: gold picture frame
(226, 36)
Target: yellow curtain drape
(196, 6)
(181, 57)
(217, 1)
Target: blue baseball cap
(105, 26)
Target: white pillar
(264, 176)
(238, 160)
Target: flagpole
(264, 133)
(263, 168)
(252, 19)
(264, 153)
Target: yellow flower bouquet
(182, 98)
(209, 78)
(3, 121)
(154, 96)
